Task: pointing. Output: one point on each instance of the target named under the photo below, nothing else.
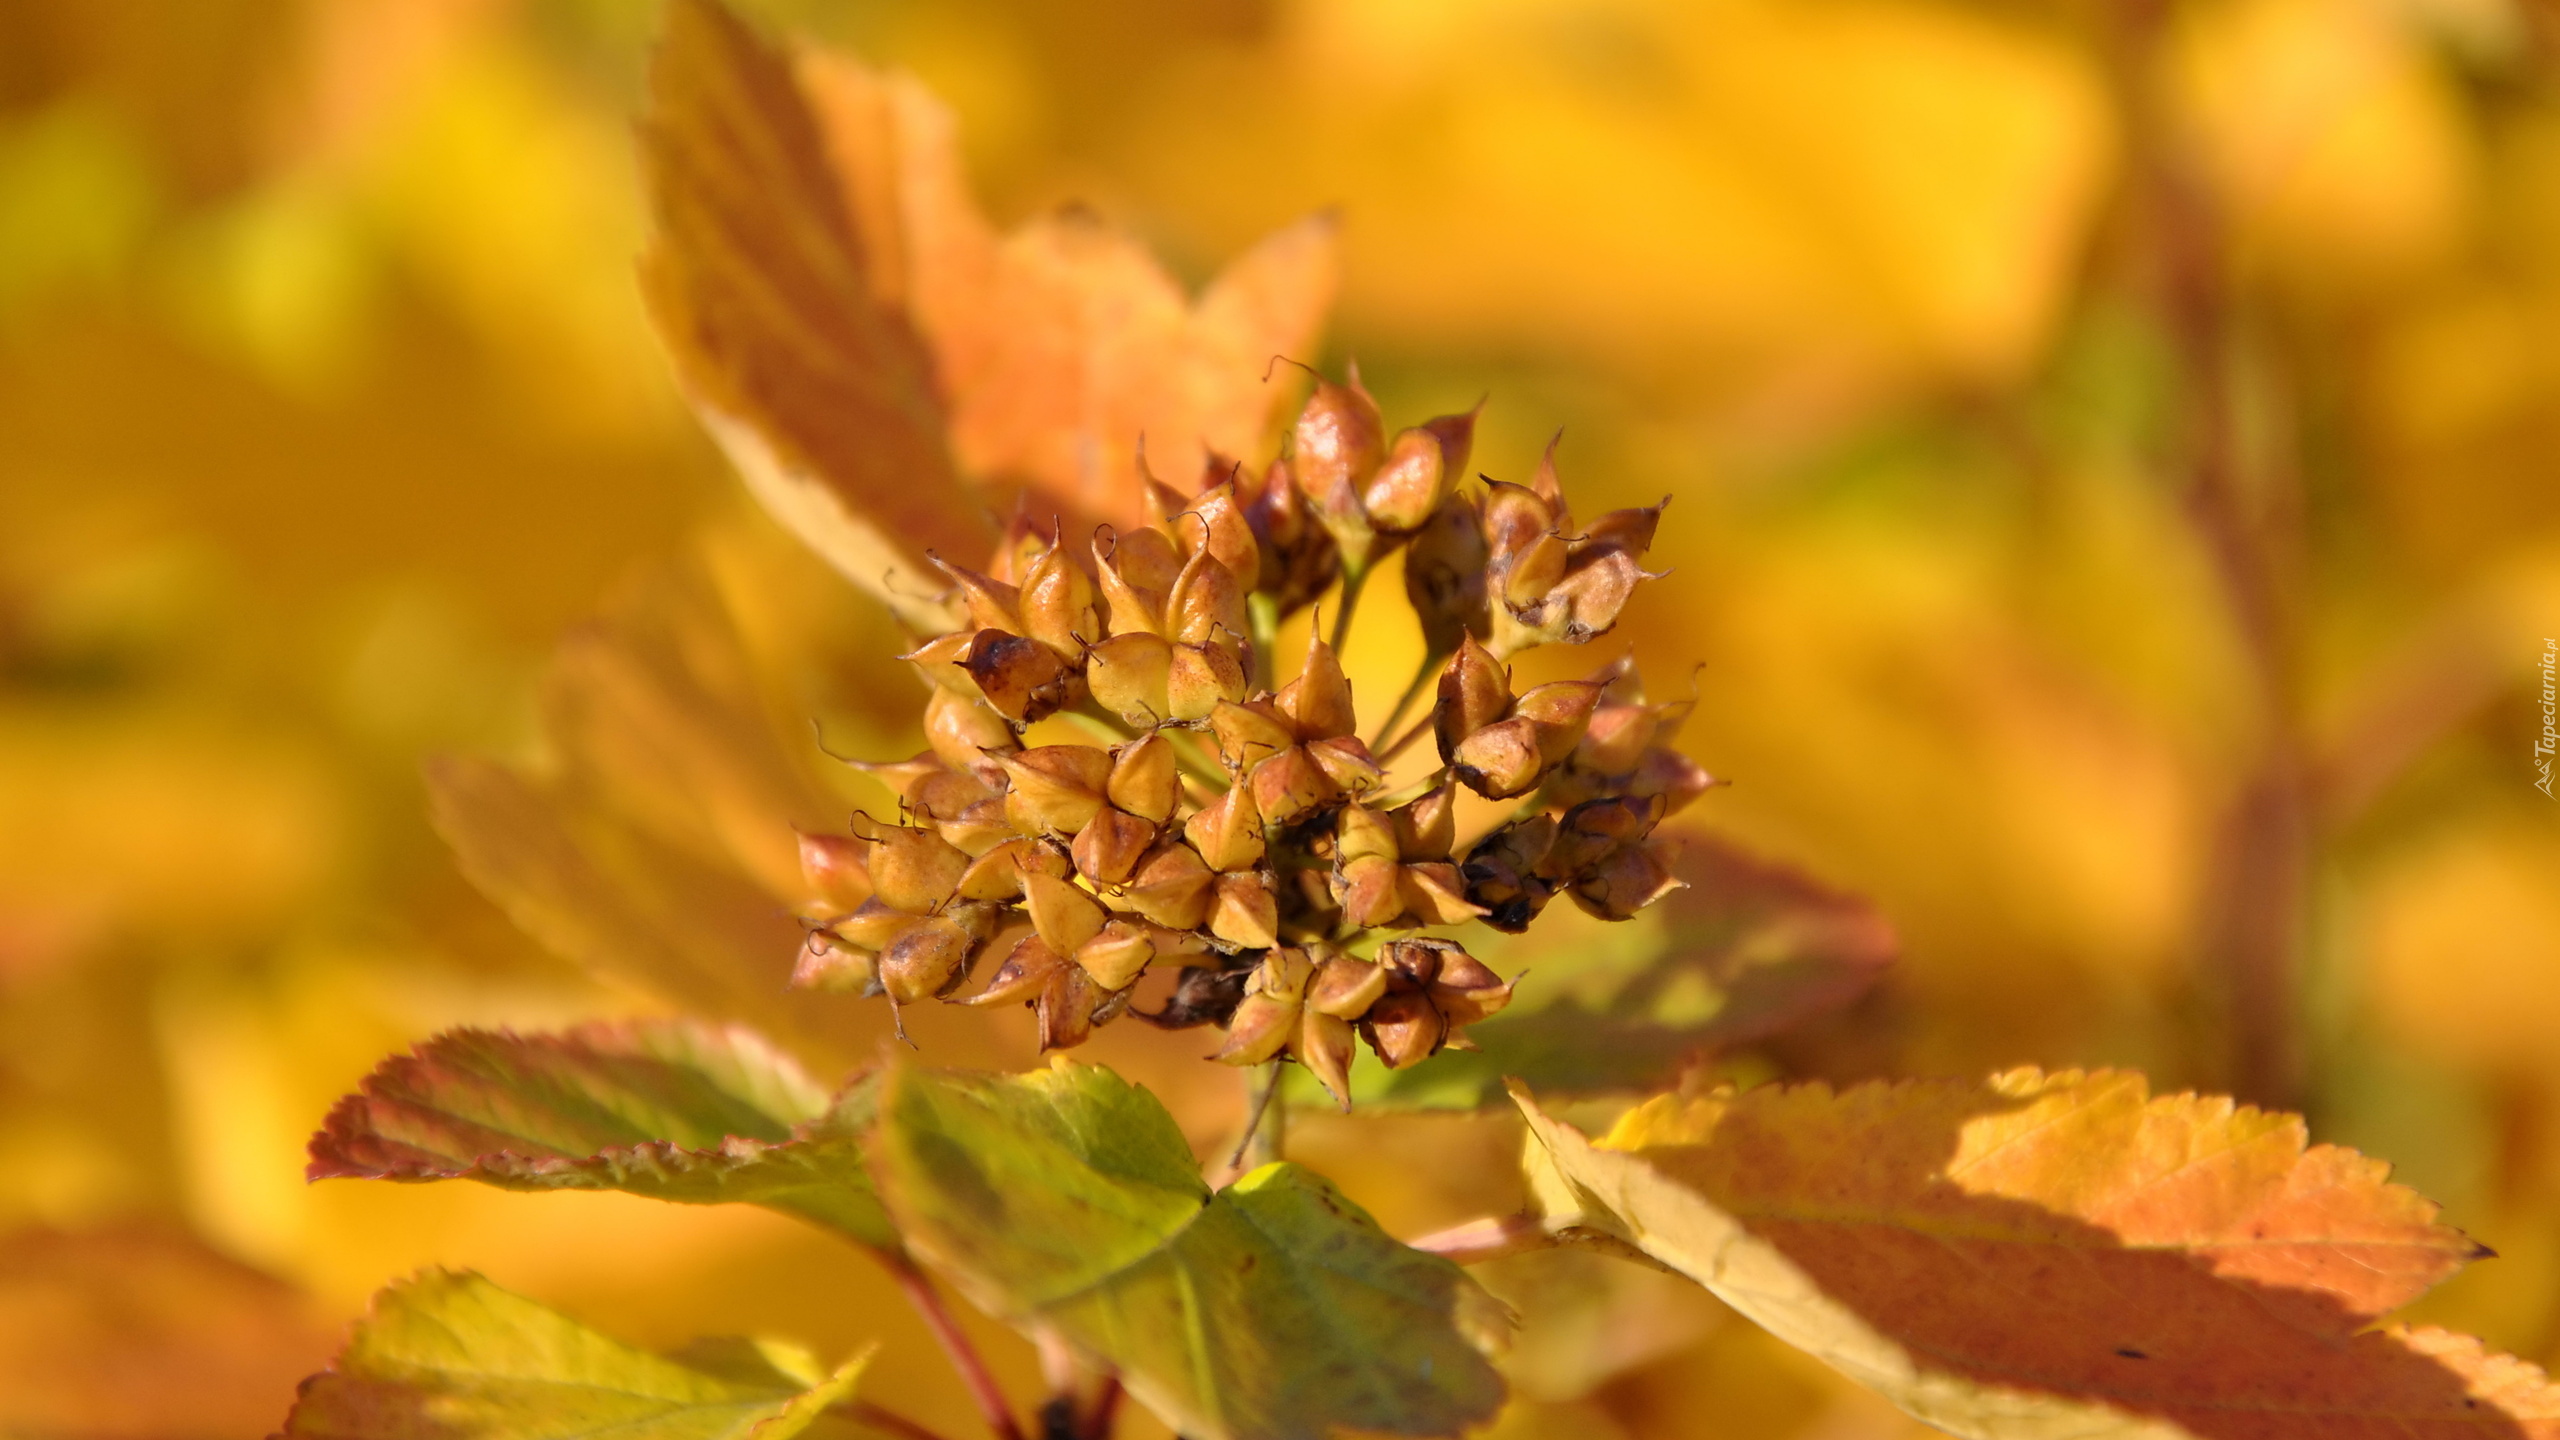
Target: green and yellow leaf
(671, 1109)
(1274, 1309)
(452, 1356)
(2053, 1255)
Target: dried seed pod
(931, 956)
(1500, 760)
(1422, 466)
(1025, 971)
(1063, 915)
(1145, 779)
(1592, 833)
(832, 868)
(1215, 522)
(1318, 702)
(1203, 995)
(1131, 676)
(1501, 873)
(1626, 883)
(1170, 887)
(829, 966)
(1324, 1044)
(996, 876)
(1204, 676)
(1024, 680)
(1444, 574)
(1118, 955)
(1346, 986)
(912, 871)
(1244, 910)
(1290, 786)
(1070, 1005)
(1427, 825)
(1671, 775)
(980, 828)
(1410, 966)
(1474, 693)
(1106, 850)
(1138, 571)
(964, 731)
(1227, 831)
(1340, 439)
(1056, 789)
(1404, 1029)
(1056, 604)
(1251, 732)
(1562, 712)
(1298, 556)
(1346, 761)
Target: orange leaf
(1061, 346)
(2050, 1255)
(818, 389)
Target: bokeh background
(2116, 458)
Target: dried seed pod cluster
(1243, 833)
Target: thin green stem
(1353, 577)
(1262, 616)
(1266, 1130)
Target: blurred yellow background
(2115, 450)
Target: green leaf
(1749, 949)
(450, 1356)
(671, 1109)
(1272, 1310)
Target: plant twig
(1266, 1130)
(1098, 1421)
(1353, 577)
(1490, 1238)
(964, 1355)
(1262, 617)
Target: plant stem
(1490, 1238)
(955, 1343)
(1106, 1409)
(1404, 741)
(1262, 616)
(1353, 577)
(1266, 1130)
(1432, 660)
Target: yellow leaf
(2052, 1255)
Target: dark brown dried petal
(1411, 965)
(1204, 995)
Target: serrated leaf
(813, 382)
(671, 1109)
(1271, 1310)
(2053, 1255)
(1749, 949)
(450, 1356)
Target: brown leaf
(820, 392)
(2050, 1255)
(1061, 346)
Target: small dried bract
(1239, 832)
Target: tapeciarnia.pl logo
(2550, 738)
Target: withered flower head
(1231, 826)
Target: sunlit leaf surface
(673, 1110)
(1271, 1310)
(452, 1356)
(2052, 1255)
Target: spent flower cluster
(1245, 834)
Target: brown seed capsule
(1203, 995)
(1528, 556)
(832, 868)
(1427, 825)
(1106, 850)
(962, 729)
(992, 604)
(1346, 761)
(1411, 966)
(980, 828)
(1474, 693)
(1064, 915)
(1261, 1025)
(1501, 760)
(1202, 677)
(1324, 1044)
(1144, 779)
(1131, 676)
(1023, 679)
(1593, 832)
(932, 955)
(942, 661)
(1118, 955)
(1251, 733)
(1298, 557)
(1444, 574)
(1244, 910)
(1069, 1007)
(1404, 1030)
(871, 926)
(1057, 604)
(913, 871)
(1346, 986)
(1501, 873)
(1434, 894)
(1227, 831)
(1171, 887)
(1421, 467)
(1626, 883)
(1318, 703)
(1467, 991)
(996, 876)
(1290, 786)
(831, 967)
(1562, 712)
(1340, 440)
(1022, 975)
(1056, 788)
(1204, 602)
(1215, 522)
(1366, 891)
(1673, 776)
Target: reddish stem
(890, 1421)
(964, 1356)
(1106, 1409)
